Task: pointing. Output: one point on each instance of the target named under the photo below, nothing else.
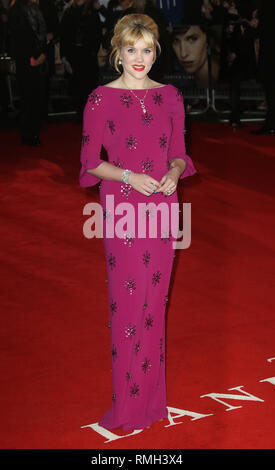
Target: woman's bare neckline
(136, 89)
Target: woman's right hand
(35, 62)
(144, 184)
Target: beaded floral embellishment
(125, 190)
(128, 376)
(118, 163)
(114, 352)
(147, 165)
(166, 235)
(137, 347)
(157, 97)
(148, 322)
(156, 278)
(147, 119)
(130, 285)
(146, 258)
(161, 358)
(113, 307)
(112, 126)
(85, 139)
(163, 141)
(126, 99)
(130, 331)
(131, 142)
(112, 261)
(146, 365)
(95, 99)
(148, 212)
(134, 391)
(128, 239)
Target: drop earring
(120, 62)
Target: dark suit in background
(80, 39)
(267, 58)
(28, 39)
(50, 15)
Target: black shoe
(33, 140)
(263, 131)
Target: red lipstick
(138, 68)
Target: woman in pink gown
(147, 138)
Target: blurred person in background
(28, 35)
(80, 39)
(4, 92)
(110, 12)
(267, 63)
(50, 15)
(213, 11)
(239, 56)
(172, 10)
(4, 6)
(113, 13)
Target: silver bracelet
(125, 176)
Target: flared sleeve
(94, 121)
(177, 148)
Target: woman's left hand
(169, 181)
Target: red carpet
(55, 375)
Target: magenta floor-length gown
(138, 269)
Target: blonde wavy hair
(128, 30)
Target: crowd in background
(39, 34)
